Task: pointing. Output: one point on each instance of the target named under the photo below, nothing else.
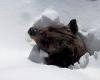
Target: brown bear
(62, 43)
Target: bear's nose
(32, 31)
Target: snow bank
(47, 18)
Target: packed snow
(17, 16)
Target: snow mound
(47, 18)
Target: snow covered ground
(16, 16)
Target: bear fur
(62, 43)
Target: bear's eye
(35, 30)
(32, 31)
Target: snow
(16, 16)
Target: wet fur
(63, 46)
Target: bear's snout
(32, 31)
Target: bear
(61, 42)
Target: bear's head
(62, 43)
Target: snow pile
(91, 42)
(47, 18)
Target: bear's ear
(73, 26)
